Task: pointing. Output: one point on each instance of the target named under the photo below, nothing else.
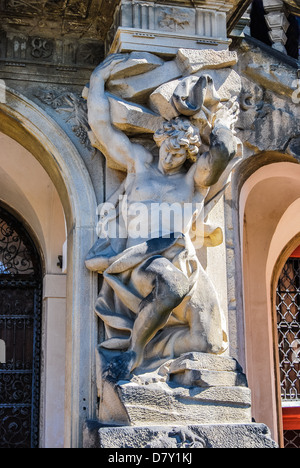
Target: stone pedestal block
(178, 437)
(196, 388)
(195, 401)
(164, 404)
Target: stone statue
(157, 302)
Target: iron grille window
(291, 439)
(20, 331)
(288, 325)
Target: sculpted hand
(228, 116)
(105, 68)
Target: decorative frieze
(57, 51)
(163, 29)
(77, 19)
(73, 108)
(69, 8)
(25, 57)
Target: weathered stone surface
(197, 369)
(190, 296)
(163, 29)
(82, 18)
(196, 388)
(266, 70)
(167, 404)
(161, 100)
(191, 61)
(137, 64)
(269, 102)
(132, 118)
(132, 387)
(139, 87)
(178, 436)
(206, 378)
(276, 80)
(205, 361)
(227, 83)
(294, 147)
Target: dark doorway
(20, 334)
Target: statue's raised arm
(112, 142)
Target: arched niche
(269, 200)
(27, 189)
(26, 123)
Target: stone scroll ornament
(168, 126)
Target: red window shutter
(291, 419)
(296, 253)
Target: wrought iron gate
(20, 330)
(288, 326)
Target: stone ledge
(193, 436)
(164, 44)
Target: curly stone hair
(181, 134)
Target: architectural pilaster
(277, 22)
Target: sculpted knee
(215, 343)
(173, 292)
(203, 343)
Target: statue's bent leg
(206, 332)
(170, 286)
(167, 287)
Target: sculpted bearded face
(178, 141)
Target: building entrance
(20, 335)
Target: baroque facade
(186, 103)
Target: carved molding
(159, 28)
(90, 19)
(18, 47)
(74, 111)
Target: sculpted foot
(120, 367)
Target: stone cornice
(92, 19)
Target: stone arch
(34, 129)
(269, 198)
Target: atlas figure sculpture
(157, 302)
